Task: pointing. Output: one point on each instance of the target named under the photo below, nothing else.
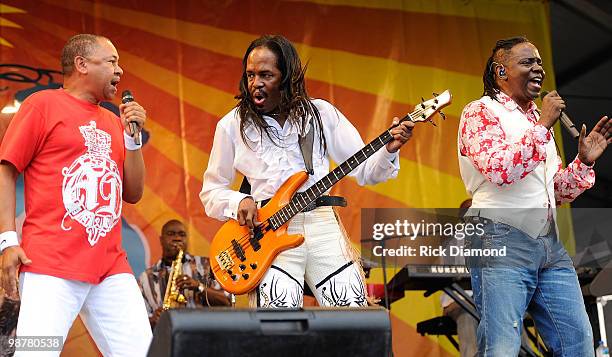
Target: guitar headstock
(427, 108)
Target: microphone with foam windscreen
(565, 120)
(127, 97)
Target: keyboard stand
(465, 301)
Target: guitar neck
(303, 199)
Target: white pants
(324, 260)
(113, 312)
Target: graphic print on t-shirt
(91, 189)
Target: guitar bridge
(224, 259)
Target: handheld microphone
(127, 97)
(565, 120)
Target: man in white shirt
(259, 138)
(510, 167)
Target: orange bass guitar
(240, 261)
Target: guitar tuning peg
(422, 99)
(435, 94)
(442, 115)
(432, 122)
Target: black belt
(319, 202)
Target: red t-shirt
(71, 153)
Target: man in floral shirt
(510, 167)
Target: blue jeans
(537, 276)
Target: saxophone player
(196, 283)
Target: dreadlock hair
(502, 47)
(295, 103)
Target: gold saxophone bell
(173, 297)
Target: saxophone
(173, 297)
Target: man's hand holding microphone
(591, 146)
(133, 116)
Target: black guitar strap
(306, 144)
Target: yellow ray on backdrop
(6, 9)
(4, 42)
(8, 23)
(418, 185)
(209, 99)
(177, 150)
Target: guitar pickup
(257, 235)
(224, 259)
(255, 244)
(238, 250)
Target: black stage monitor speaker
(278, 332)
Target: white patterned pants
(324, 261)
(113, 312)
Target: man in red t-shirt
(79, 162)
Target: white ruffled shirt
(267, 166)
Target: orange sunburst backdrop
(372, 59)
